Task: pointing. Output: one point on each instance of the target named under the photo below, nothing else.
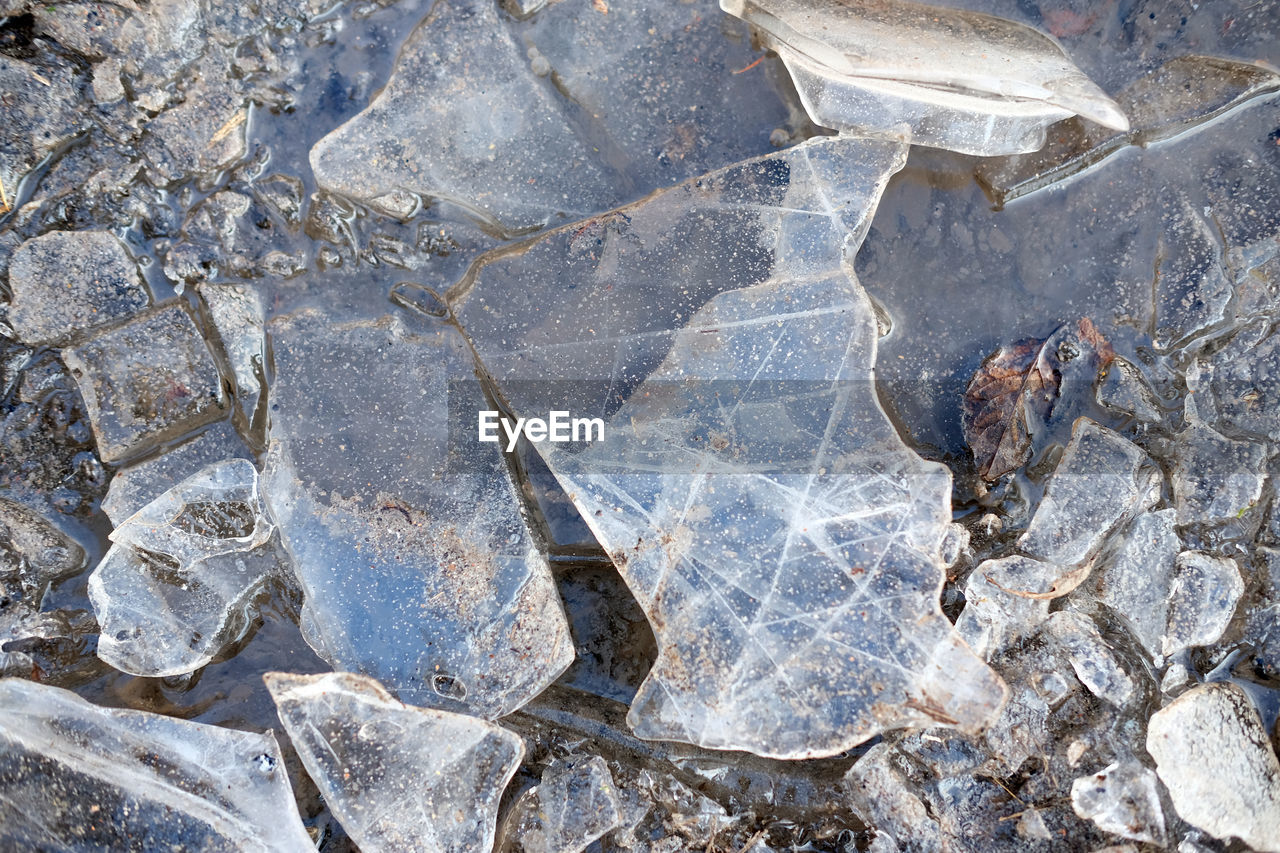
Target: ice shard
(78, 777)
(946, 78)
(405, 532)
(574, 804)
(570, 113)
(178, 584)
(784, 542)
(1102, 481)
(396, 776)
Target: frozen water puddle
(398, 777)
(574, 111)
(784, 542)
(405, 533)
(79, 777)
(176, 587)
(946, 78)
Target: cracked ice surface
(176, 586)
(397, 777)
(416, 565)
(79, 777)
(784, 542)
(950, 78)
(575, 111)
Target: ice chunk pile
(405, 532)
(782, 539)
(176, 586)
(77, 777)
(398, 777)
(946, 78)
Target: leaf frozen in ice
(783, 541)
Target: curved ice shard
(397, 777)
(782, 539)
(405, 532)
(177, 585)
(74, 776)
(958, 79)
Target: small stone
(1213, 754)
(67, 282)
(147, 381)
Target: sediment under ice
(406, 534)
(397, 777)
(78, 777)
(946, 78)
(784, 542)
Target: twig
(752, 65)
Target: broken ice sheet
(1237, 387)
(396, 776)
(1102, 480)
(1215, 478)
(67, 282)
(573, 112)
(149, 380)
(950, 78)
(1186, 92)
(79, 777)
(405, 532)
(1213, 754)
(134, 487)
(574, 804)
(784, 542)
(175, 587)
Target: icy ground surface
(934, 352)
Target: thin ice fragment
(33, 554)
(1123, 389)
(994, 613)
(1213, 754)
(886, 798)
(949, 78)
(177, 585)
(1092, 659)
(1186, 92)
(68, 282)
(134, 487)
(571, 112)
(1192, 290)
(1216, 478)
(238, 314)
(1102, 480)
(396, 776)
(145, 382)
(1202, 599)
(1238, 386)
(784, 542)
(1135, 582)
(574, 804)
(405, 531)
(1122, 798)
(79, 777)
